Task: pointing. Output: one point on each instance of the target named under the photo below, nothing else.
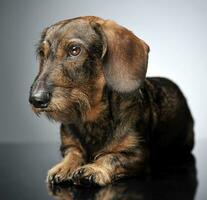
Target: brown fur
(161, 185)
(114, 121)
(128, 56)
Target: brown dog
(92, 80)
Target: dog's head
(77, 58)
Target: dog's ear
(125, 57)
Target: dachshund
(114, 120)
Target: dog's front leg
(124, 156)
(73, 157)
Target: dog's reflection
(177, 181)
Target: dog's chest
(94, 136)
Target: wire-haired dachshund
(114, 121)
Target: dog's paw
(91, 174)
(60, 173)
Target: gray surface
(23, 178)
(175, 30)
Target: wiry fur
(114, 121)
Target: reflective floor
(23, 169)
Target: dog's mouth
(41, 110)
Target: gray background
(175, 30)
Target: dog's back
(172, 121)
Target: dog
(114, 120)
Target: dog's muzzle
(39, 95)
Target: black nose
(40, 98)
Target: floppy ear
(125, 57)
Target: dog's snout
(39, 96)
(40, 99)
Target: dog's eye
(74, 50)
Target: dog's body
(113, 119)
